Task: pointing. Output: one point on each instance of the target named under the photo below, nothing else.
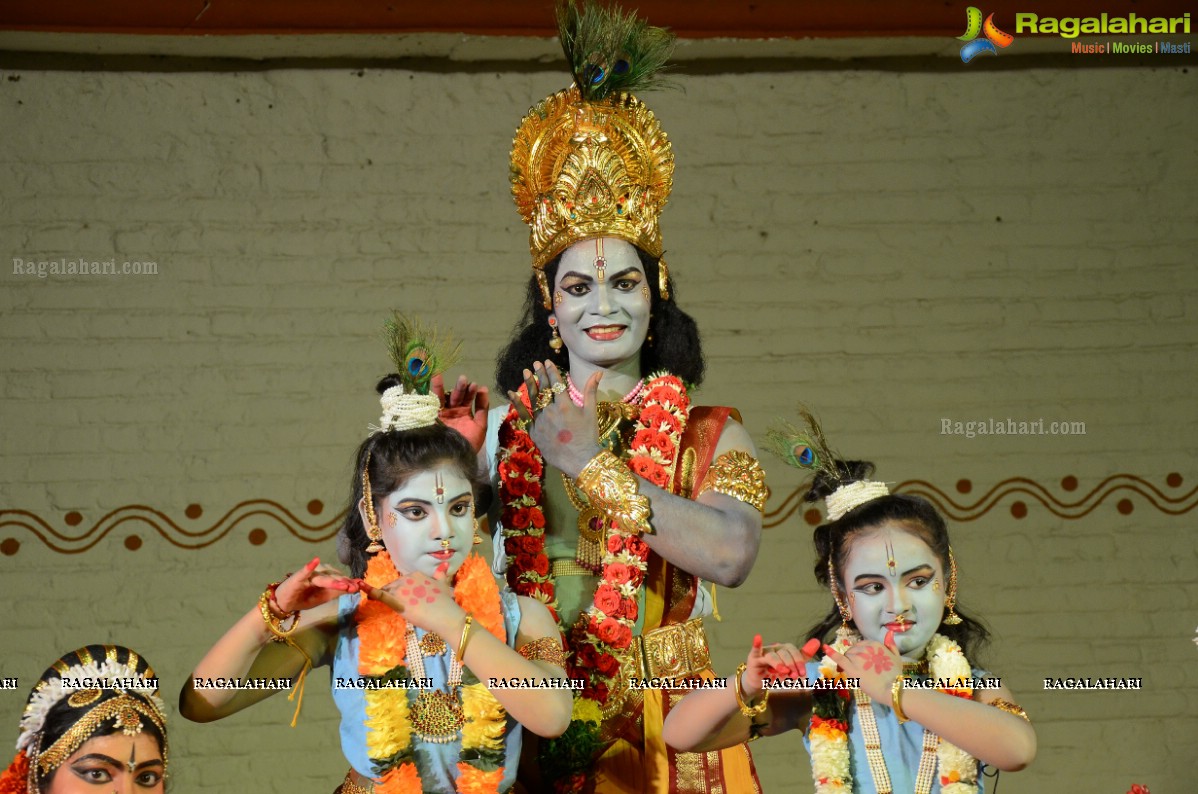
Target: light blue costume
(437, 763)
(902, 747)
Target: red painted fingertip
(811, 647)
(310, 567)
(441, 571)
(889, 641)
(757, 642)
(828, 649)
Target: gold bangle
(739, 475)
(614, 490)
(1010, 708)
(896, 700)
(749, 711)
(275, 624)
(465, 638)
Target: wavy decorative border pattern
(255, 518)
(1024, 490)
(252, 518)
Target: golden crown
(590, 169)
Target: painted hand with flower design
(876, 664)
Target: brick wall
(894, 248)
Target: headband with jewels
(101, 682)
(418, 353)
(592, 160)
(806, 448)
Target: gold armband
(739, 475)
(274, 624)
(745, 709)
(1010, 708)
(613, 490)
(544, 649)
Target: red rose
(512, 546)
(643, 466)
(623, 637)
(530, 544)
(543, 591)
(664, 443)
(607, 664)
(586, 654)
(614, 543)
(540, 564)
(643, 439)
(525, 561)
(516, 518)
(629, 609)
(607, 600)
(535, 517)
(608, 631)
(617, 573)
(660, 478)
(516, 486)
(636, 546)
(599, 693)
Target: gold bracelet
(749, 711)
(614, 490)
(274, 624)
(465, 638)
(739, 475)
(896, 700)
(1010, 708)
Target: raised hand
(774, 662)
(566, 434)
(465, 408)
(423, 601)
(877, 664)
(311, 586)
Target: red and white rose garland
(605, 629)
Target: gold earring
(372, 528)
(477, 538)
(950, 595)
(845, 613)
(555, 341)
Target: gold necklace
(436, 714)
(873, 750)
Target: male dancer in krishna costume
(616, 495)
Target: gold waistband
(355, 784)
(673, 651)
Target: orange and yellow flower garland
(382, 645)
(606, 628)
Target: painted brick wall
(894, 248)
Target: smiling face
(428, 520)
(113, 763)
(894, 582)
(602, 301)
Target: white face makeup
(891, 579)
(428, 521)
(112, 763)
(603, 310)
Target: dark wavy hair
(673, 343)
(395, 456)
(915, 514)
(62, 716)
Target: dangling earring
(372, 529)
(477, 538)
(649, 336)
(845, 613)
(555, 341)
(950, 593)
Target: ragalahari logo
(994, 38)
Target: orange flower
(380, 629)
(477, 592)
(402, 779)
(13, 779)
(475, 781)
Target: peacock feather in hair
(418, 352)
(611, 51)
(804, 447)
